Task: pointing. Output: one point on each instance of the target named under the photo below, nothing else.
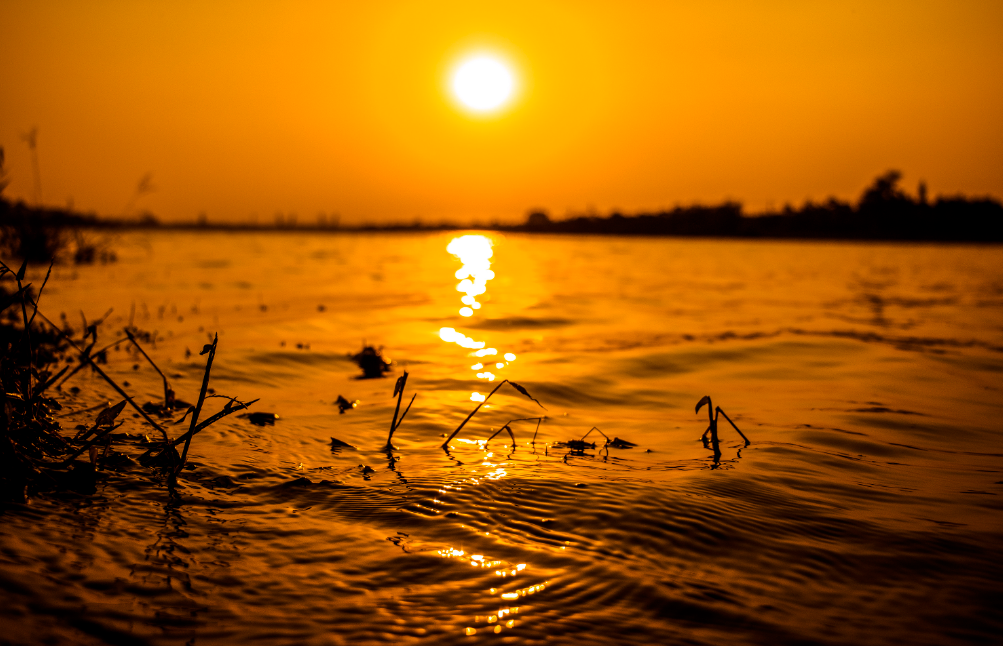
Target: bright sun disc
(483, 83)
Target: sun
(483, 83)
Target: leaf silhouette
(206, 348)
(20, 272)
(108, 415)
(191, 409)
(526, 392)
(705, 400)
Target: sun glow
(483, 83)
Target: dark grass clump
(35, 455)
(30, 438)
(372, 362)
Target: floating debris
(578, 447)
(343, 404)
(372, 362)
(260, 419)
(337, 445)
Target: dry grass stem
(445, 445)
(395, 423)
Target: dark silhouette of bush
(884, 212)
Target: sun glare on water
(483, 83)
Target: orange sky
(242, 110)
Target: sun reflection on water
(475, 252)
(505, 573)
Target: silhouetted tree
(884, 190)
(537, 219)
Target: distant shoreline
(883, 213)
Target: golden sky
(242, 110)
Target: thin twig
(167, 387)
(110, 381)
(198, 406)
(747, 442)
(399, 393)
(212, 420)
(40, 289)
(87, 350)
(595, 428)
(445, 445)
(503, 428)
(89, 444)
(19, 276)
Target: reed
(713, 415)
(395, 423)
(33, 453)
(165, 454)
(30, 441)
(445, 445)
(168, 391)
(507, 427)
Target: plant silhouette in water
(34, 456)
(395, 423)
(713, 415)
(577, 447)
(30, 442)
(508, 428)
(372, 362)
(445, 445)
(165, 455)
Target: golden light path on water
(502, 618)
(475, 252)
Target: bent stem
(84, 354)
(507, 427)
(168, 399)
(445, 445)
(503, 428)
(747, 442)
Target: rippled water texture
(866, 509)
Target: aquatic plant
(30, 439)
(372, 362)
(164, 454)
(507, 427)
(577, 447)
(712, 416)
(34, 454)
(343, 404)
(168, 391)
(445, 445)
(395, 423)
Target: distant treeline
(884, 212)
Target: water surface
(866, 509)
